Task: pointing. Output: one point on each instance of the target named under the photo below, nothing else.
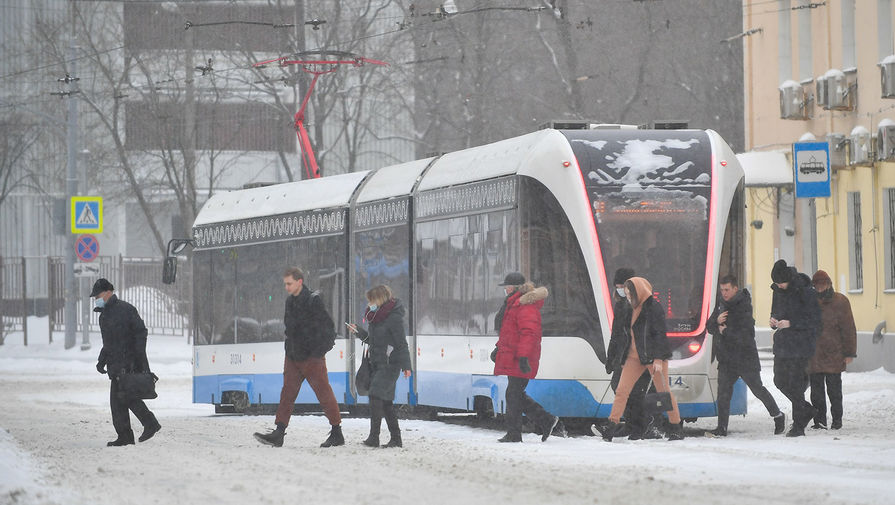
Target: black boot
(510, 437)
(335, 437)
(150, 431)
(273, 438)
(395, 441)
(607, 432)
(375, 422)
(126, 439)
(548, 428)
(676, 431)
(779, 423)
(718, 432)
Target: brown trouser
(631, 371)
(314, 370)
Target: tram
(564, 207)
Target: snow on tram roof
(392, 181)
(477, 163)
(325, 192)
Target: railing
(35, 286)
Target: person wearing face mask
(124, 350)
(836, 347)
(389, 357)
(637, 425)
(647, 350)
(518, 353)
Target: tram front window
(661, 234)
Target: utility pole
(71, 189)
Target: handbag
(363, 378)
(137, 386)
(656, 403)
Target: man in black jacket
(733, 328)
(795, 315)
(124, 350)
(310, 334)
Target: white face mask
(100, 303)
(621, 292)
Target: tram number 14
(235, 359)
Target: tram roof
(392, 181)
(325, 192)
(766, 168)
(477, 163)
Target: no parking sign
(87, 248)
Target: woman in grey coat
(389, 356)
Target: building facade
(822, 72)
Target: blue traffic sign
(811, 169)
(87, 248)
(86, 214)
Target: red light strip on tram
(601, 268)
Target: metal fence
(35, 286)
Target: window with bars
(889, 236)
(855, 253)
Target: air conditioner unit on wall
(860, 146)
(792, 101)
(838, 149)
(841, 91)
(885, 140)
(887, 76)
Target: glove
(609, 369)
(494, 354)
(100, 367)
(523, 365)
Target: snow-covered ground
(54, 424)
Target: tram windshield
(650, 200)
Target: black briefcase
(137, 386)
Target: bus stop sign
(811, 169)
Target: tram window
(202, 289)
(222, 294)
(381, 257)
(259, 275)
(322, 260)
(555, 260)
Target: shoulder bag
(363, 378)
(137, 386)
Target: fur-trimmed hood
(534, 295)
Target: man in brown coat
(836, 347)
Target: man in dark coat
(310, 334)
(124, 351)
(836, 347)
(637, 424)
(733, 328)
(795, 315)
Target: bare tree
(17, 136)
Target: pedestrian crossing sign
(86, 214)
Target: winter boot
(150, 431)
(819, 426)
(510, 437)
(273, 438)
(779, 423)
(795, 431)
(607, 432)
(837, 424)
(548, 428)
(718, 432)
(372, 440)
(395, 441)
(126, 439)
(335, 437)
(676, 431)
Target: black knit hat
(513, 279)
(623, 274)
(101, 284)
(781, 273)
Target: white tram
(565, 207)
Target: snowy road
(55, 422)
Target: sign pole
(71, 189)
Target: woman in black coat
(389, 355)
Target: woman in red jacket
(518, 352)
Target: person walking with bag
(310, 334)
(733, 328)
(124, 351)
(647, 349)
(836, 347)
(389, 356)
(518, 353)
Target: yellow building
(823, 71)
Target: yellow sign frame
(95, 202)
